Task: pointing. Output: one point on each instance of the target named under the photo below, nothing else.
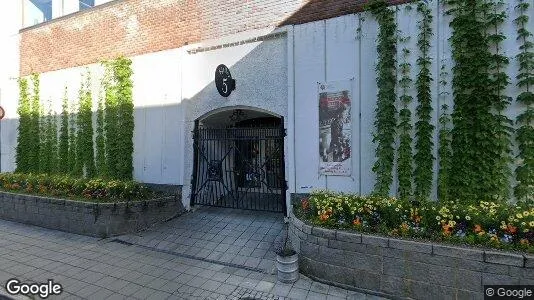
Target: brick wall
(134, 27)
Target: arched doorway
(239, 160)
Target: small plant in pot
(287, 260)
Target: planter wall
(404, 269)
(93, 219)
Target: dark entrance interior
(239, 161)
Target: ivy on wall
(85, 155)
(34, 137)
(100, 140)
(444, 138)
(524, 190)
(423, 128)
(122, 68)
(475, 144)
(404, 152)
(42, 148)
(110, 120)
(71, 159)
(22, 158)
(385, 119)
(498, 81)
(48, 159)
(63, 144)
(118, 118)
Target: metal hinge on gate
(286, 185)
(285, 131)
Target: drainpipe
(291, 122)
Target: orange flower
(324, 217)
(357, 222)
(447, 229)
(478, 228)
(524, 242)
(305, 203)
(404, 227)
(511, 229)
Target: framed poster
(335, 124)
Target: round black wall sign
(223, 81)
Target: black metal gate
(240, 167)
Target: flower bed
(404, 269)
(484, 223)
(94, 207)
(96, 190)
(93, 219)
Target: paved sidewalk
(229, 236)
(89, 268)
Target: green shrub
(485, 223)
(95, 189)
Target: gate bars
(239, 167)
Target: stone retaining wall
(404, 269)
(93, 219)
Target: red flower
(511, 229)
(447, 229)
(324, 217)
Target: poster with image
(335, 128)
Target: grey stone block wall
(86, 218)
(404, 269)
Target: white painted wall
(98, 2)
(10, 23)
(31, 14)
(173, 88)
(260, 69)
(70, 6)
(333, 50)
(158, 133)
(57, 8)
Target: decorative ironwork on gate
(240, 167)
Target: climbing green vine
(118, 118)
(48, 140)
(444, 138)
(100, 140)
(125, 122)
(71, 159)
(475, 144)
(34, 138)
(85, 156)
(423, 128)
(22, 158)
(499, 80)
(63, 144)
(385, 120)
(524, 190)
(110, 120)
(404, 155)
